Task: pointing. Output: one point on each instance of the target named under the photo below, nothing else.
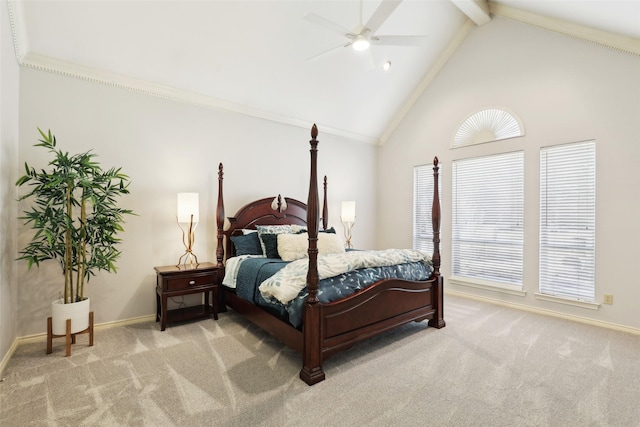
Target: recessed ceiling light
(386, 66)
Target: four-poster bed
(327, 328)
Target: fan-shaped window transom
(488, 125)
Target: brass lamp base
(187, 239)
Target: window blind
(422, 204)
(488, 218)
(567, 221)
(422, 200)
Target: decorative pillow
(247, 244)
(248, 231)
(329, 243)
(295, 246)
(274, 229)
(271, 245)
(295, 228)
(271, 229)
(304, 230)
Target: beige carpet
(491, 366)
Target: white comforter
(288, 282)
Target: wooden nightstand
(173, 281)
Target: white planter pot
(78, 312)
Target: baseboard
(545, 312)
(7, 357)
(43, 336)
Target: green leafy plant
(75, 215)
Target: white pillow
(295, 246)
(292, 246)
(329, 243)
(295, 228)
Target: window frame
(477, 238)
(561, 240)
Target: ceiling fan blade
(381, 14)
(323, 22)
(370, 62)
(398, 40)
(328, 52)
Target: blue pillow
(247, 244)
(270, 245)
(328, 230)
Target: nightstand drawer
(192, 281)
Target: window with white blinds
(567, 220)
(488, 219)
(422, 204)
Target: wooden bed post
(312, 372)
(220, 218)
(325, 209)
(435, 219)
(438, 319)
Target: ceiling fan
(364, 35)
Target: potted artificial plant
(76, 219)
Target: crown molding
(95, 75)
(44, 63)
(18, 29)
(617, 42)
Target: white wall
(9, 78)
(564, 90)
(167, 148)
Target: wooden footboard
(370, 312)
(377, 309)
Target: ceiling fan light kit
(364, 35)
(360, 43)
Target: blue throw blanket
(253, 272)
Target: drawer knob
(192, 282)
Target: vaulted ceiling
(257, 57)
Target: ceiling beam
(476, 10)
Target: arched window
(488, 125)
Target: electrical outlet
(607, 299)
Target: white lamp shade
(348, 211)
(188, 204)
